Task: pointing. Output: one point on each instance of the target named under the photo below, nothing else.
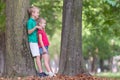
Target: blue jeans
(41, 49)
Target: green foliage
(96, 42)
(100, 26)
(113, 2)
(2, 16)
(55, 44)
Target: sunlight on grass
(109, 75)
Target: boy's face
(36, 13)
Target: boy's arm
(41, 42)
(30, 27)
(31, 30)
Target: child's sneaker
(51, 74)
(42, 74)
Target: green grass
(109, 75)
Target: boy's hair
(31, 10)
(39, 20)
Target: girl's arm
(41, 42)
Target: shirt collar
(32, 19)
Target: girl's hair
(39, 20)
(31, 10)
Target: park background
(100, 33)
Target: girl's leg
(47, 64)
(45, 56)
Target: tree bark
(2, 52)
(94, 63)
(71, 59)
(18, 60)
(2, 38)
(101, 65)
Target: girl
(43, 45)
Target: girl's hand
(44, 50)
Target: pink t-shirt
(44, 38)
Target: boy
(32, 38)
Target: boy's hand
(38, 27)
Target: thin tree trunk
(71, 59)
(94, 64)
(18, 60)
(110, 64)
(101, 65)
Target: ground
(60, 77)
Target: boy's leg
(38, 62)
(35, 53)
(39, 65)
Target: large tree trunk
(71, 59)
(2, 37)
(2, 51)
(18, 60)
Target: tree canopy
(101, 27)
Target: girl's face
(43, 23)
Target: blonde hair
(32, 9)
(39, 20)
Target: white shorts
(34, 49)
